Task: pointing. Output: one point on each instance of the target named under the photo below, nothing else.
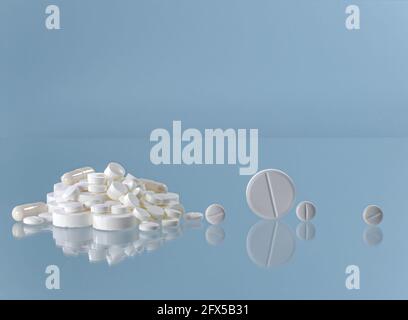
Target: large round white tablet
(71, 220)
(111, 222)
(270, 193)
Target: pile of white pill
(111, 200)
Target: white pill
(155, 186)
(116, 190)
(215, 214)
(193, 216)
(172, 213)
(114, 171)
(215, 235)
(112, 222)
(170, 223)
(130, 200)
(156, 212)
(97, 188)
(76, 175)
(47, 216)
(176, 206)
(131, 182)
(305, 211)
(71, 193)
(50, 197)
(270, 193)
(149, 226)
(59, 188)
(120, 209)
(72, 207)
(52, 206)
(141, 214)
(98, 178)
(100, 208)
(161, 198)
(88, 198)
(82, 185)
(27, 210)
(33, 220)
(372, 215)
(71, 220)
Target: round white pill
(156, 212)
(215, 214)
(305, 231)
(98, 178)
(372, 215)
(170, 223)
(116, 190)
(100, 208)
(72, 207)
(161, 198)
(120, 209)
(71, 220)
(172, 213)
(270, 243)
(214, 235)
(305, 211)
(33, 220)
(176, 206)
(71, 193)
(141, 214)
(88, 198)
(47, 216)
(97, 188)
(114, 171)
(112, 222)
(149, 226)
(270, 193)
(130, 200)
(193, 216)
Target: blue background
(330, 106)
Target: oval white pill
(97, 188)
(112, 222)
(71, 220)
(100, 208)
(71, 193)
(172, 213)
(116, 190)
(130, 200)
(120, 209)
(98, 178)
(155, 186)
(27, 210)
(193, 216)
(215, 214)
(156, 212)
(141, 214)
(372, 215)
(149, 226)
(170, 223)
(33, 220)
(76, 175)
(305, 211)
(270, 193)
(72, 207)
(114, 171)
(47, 216)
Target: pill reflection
(270, 243)
(215, 235)
(20, 230)
(373, 236)
(305, 231)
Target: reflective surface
(245, 257)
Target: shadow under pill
(372, 236)
(306, 231)
(270, 243)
